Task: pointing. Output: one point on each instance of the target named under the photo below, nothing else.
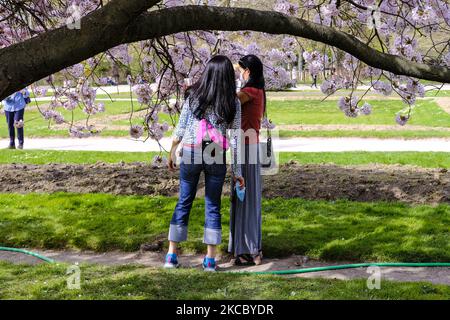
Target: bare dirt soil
(328, 182)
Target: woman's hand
(172, 161)
(241, 181)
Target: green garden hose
(356, 265)
(34, 254)
(293, 271)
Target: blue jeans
(189, 177)
(12, 116)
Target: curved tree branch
(34, 59)
(189, 18)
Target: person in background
(14, 107)
(314, 84)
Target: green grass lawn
(314, 112)
(337, 231)
(435, 93)
(133, 282)
(407, 134)
(310, 112)
(111, 108)
(73, 157)
(422, 159)
(37, 126)
(300, 112)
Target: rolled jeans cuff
(212, 236)
(177, 233)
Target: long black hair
(256, 67)
(215, 89)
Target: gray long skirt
(245, 217)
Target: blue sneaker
(209, 264)
(171, 261)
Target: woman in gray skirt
(245, 216)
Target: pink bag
(214, 134)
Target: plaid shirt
(187, 129)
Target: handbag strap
(269, 134)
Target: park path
(280, 145)
(444, 103)
(154, 260)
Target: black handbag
(266, 152)
(205, 145)
(267, 158)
